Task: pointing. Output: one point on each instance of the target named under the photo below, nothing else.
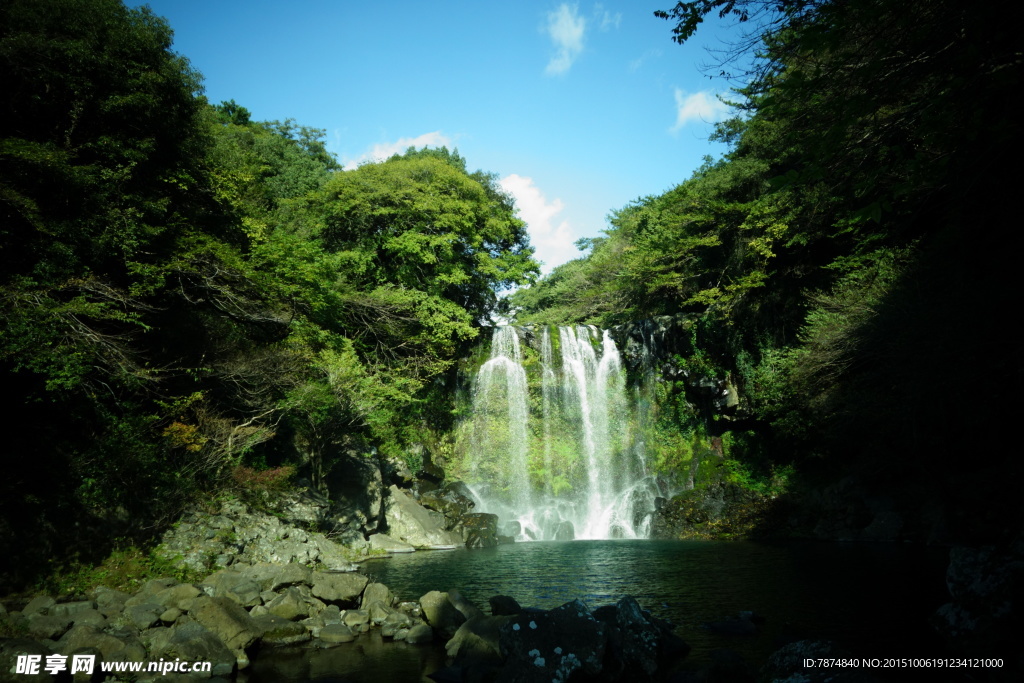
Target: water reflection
(873, 599)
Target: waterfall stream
(550, 446)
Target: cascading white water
(568, 468)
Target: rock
(337, 633)
(38, 605)
(394, 622)
(453, 501)
(46, 627)
(376, 592)
(273, 577)
(11, 649)
(126, 648)
(144, 615)
(227, 621)
(279, 632)
(637, 643)
(190, 641)
(357, 489)
(170, 615)
(179, 596)
(419, 634)
(109, 602)
(787, 664)
(72, 609)
(565, 531)
(440, 613)
(341, 588)
(290, 605)
(986, 586)
(388, 544)
(245, 593)
(504, 605)
(475, 645)
(552, 645)
(480, 530)
(90, 617)
(305, 507)
(410, 522)
(354, 618)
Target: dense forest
(193, 300)
(848, 266)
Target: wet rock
(410, 522)
(565, 531)
(419, 634)
(553, 645)
(440, 613)
(337, 633)
(480, 530)
(504, 605)
(453, 500)
(355, 618)
(278, 632)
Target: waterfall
(551, 448)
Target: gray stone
(419, 634)
(337, 633)
(109, 602)
(394, 622)
(412, 523)
(389, 544)
(191, 641)
(177, 596)
(46, 627)
(440, 613)
(89, 617)
(289, 605)
(552, 645)
(227, 620)
(355, 617)
(38, 605)
(144, 615)
(123, 648)
(245, 593)
(170, 615)
(72, 609)
(282, 632)
(376, 592)
(11, 649)
(274, 576)
(345, 587)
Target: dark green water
(874, 599)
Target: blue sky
(579, 108)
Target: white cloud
(385, 150)
(639, 61)
(699, 106)
(607, 19)
(553, 240)
(566, 28)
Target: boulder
(46, 627)
(337, 633)
(453, 501)
(190, 641)
(502, 605)
(480, 530)
(410, 522)
(227, 620)
(376, 592)
(126, 648)
(552, 645)
(440, 613)
(388, 544)
(340, 588)
(419, 634)
(289, 604)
